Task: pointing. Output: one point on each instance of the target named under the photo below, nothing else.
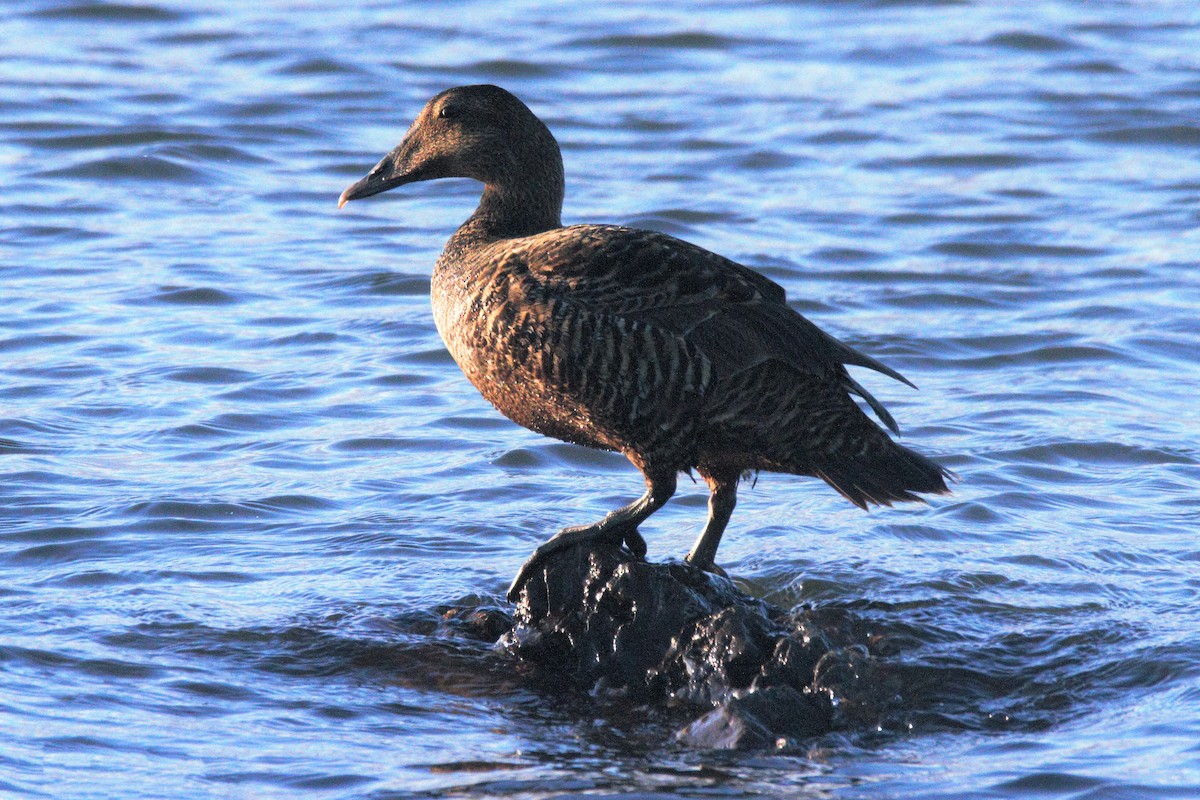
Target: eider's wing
(735, 316)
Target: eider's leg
(620, 526)
(723, 485)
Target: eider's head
(480, 132)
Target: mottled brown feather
(633, 340)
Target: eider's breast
(502, 335)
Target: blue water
(240, 478)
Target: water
(240, 478)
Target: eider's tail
(882, 473)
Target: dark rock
(613, 625)
(772, 717)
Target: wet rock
(620, 627)
(772, 717)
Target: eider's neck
(521, 200)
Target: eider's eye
(448, 112)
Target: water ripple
(110, 12)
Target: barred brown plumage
(633, 340)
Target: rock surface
(614, 625)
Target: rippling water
(240, 478)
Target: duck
(634, 341)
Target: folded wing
(736, 317)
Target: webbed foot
(707, 567)
(569, 537)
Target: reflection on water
(242, 481)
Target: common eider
(633, 340)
